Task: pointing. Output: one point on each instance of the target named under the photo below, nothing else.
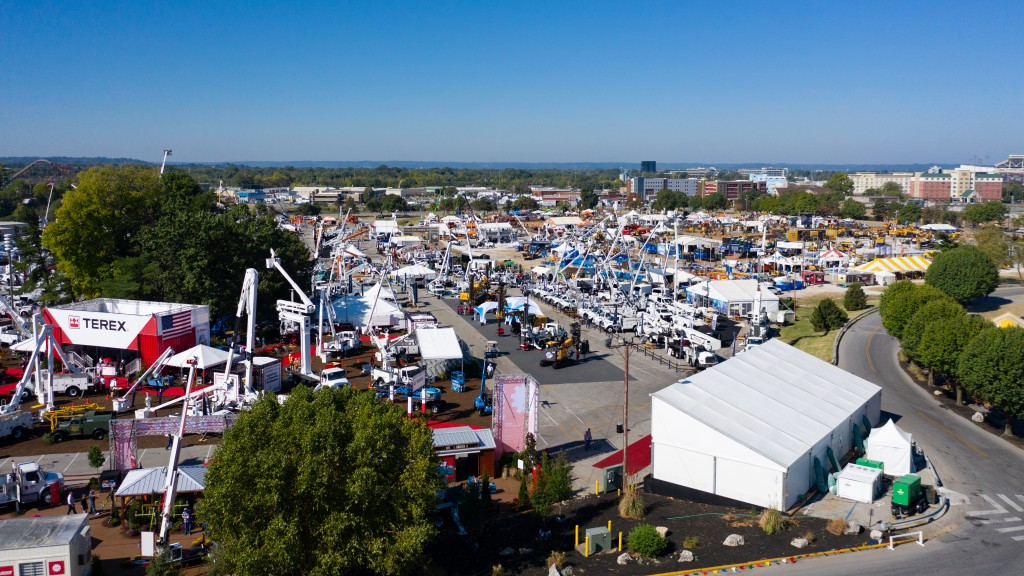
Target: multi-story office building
(649, 187)
(964, 184)
(864, 181)
(648, 167)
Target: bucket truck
(297, 312)
(171, 481)
(247, 306)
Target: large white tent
(438, 343)
(414, 271)
(204, 356)
(750, 428)
(731, 297)
(893, 448)
(361, 312)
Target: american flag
(176, 324)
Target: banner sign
(124, 431)
(516, 398)
(99, 328)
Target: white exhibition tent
(361, 311)
(732, 297)
(204, 355)
(438, 344)
(484, 308)
(516, 303)
(892, 447)
(378, 291)
(750, 428)
(414, 271)
(939, 227)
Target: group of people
(88, 503)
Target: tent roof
(774, 399)
(896, 264)
(146, 481)
(378, 291)
(890, 435)
(205, 356)
(416, 270)
(438, 344)
(732, 291)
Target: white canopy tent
(750, 428)
(378, 291)
(360, 311)
(438, 344)
(893, 448)
(414, 271)
(205, 356)
(516, 303)
(482, 310)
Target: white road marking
(1018, 538)
(1012, 504)
(1010, 529)
(65, 470)
(997, 509)
(573, 414)
(999, 521)
(3, 465)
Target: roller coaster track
(60, 169)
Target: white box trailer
(859, 483)
(49, 545)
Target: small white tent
(893, 448)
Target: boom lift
(298, 312)
(247, 306)
(171, 481)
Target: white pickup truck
(9, 335)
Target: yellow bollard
(596, 490)
(586, 547)
(609, 525)
(620, 541)
(577, 536)
(620, 492)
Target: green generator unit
(907, 496)
(871, 463)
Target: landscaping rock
(734, 540)
(663, 530)
(686, 556)
(507, 551)
(939, 392)
(567, 571)
(525, 551)
(624, 559)
(554, 571)
(799, 543)
(876, 535)
(978, 417)
(852, 528)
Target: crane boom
(171, 481)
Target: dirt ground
(709, 524)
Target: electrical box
(906, 490)
(600, 539)
(612, 479)
(870, 463)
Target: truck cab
(333, 378)
(28, 482)
(85, 424)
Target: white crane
(247, 306)
(171, 481)
(167, 152)
(298, 312)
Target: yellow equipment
(56, 415)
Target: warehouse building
(750, 429)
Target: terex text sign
(99, 328)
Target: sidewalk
(76, 469)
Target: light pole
(625, 345)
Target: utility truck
(71, 384)
(29, 483)
(86, 424)
(333, 378)
(693, 353)
(412, 377)
(15, 424)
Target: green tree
(994, 243)
(96, 457)
(588, 199)
(393, 203)
(326, 483)
(714, 201)
(991, 211)
(1013, 191)
(881, 210)
(828, 316)
(99, 221)
(965, 273)
(840, 182)
(934, 310)
(892, 190)
(483, 205)
(852, 209)
(855, 298)
(942, 342)
(308, 209)
(901, 301)
(991, 367)
(525, 202)
(908, 212)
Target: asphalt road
(982, 473)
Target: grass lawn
(803, 336)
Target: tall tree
(942, 342)
(852, 209)
(992, 368)
(840, 182)
(994, 243)
(325, 484)
(935, 310)
(992, 211)
(99, 221)
(901, 301)
(965, 273)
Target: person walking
(170, 442)
(71, 503)
(587, 437)
(92, 501)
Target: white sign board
(99, 328)
(148, 543)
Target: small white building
(497, 232)
(732, 297)
(46, 546)
(750, 428)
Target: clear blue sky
(804, 82)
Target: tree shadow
(988, 303)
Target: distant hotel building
(732, 189)
(647, 188)
(648, 167)
(774, 178)
(965, 184)
(549, 195)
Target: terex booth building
(104, 326)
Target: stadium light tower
(167, 152)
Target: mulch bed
(479, 551)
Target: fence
(909, 537)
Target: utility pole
(625, 418)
